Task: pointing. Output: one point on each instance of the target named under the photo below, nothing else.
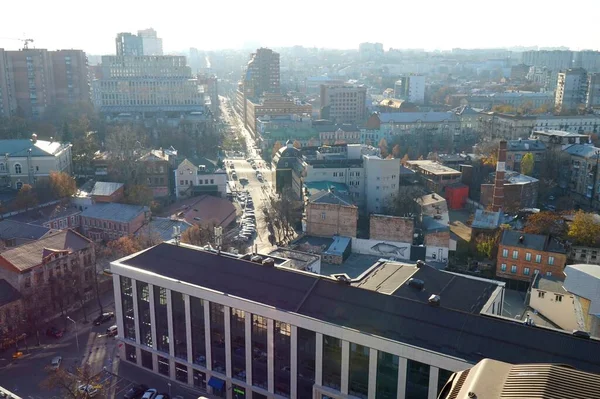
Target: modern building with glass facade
(248, 328)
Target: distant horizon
(437, 25)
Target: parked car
(136, 391)
(163, 396)
(55, 363)
(89, 389)
(150, 394)
(103, 318)
(54, 332)
(111, 331)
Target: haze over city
(436, 24)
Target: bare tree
(281, 214)
(403, 202)
(35, 307)
(69, 383)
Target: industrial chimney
(498, 200)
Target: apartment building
(514, 127)
(434, 175)
(157, 171)
(584, 179)
(273, 105)
(27, 161)
(110, 221)
(344, 103)
(571, 90)
(71, 80)
(593, 91)
(521, 255)
(8, 104)
(516, 99)
(34, 264)
(253, 327)
(151, 43)
(410, 88)
(517, 149)
(555, 60)
(262, 73)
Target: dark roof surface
(532, 241)
(15, 229)
(455, 333)
(456, 292)
(8, 293)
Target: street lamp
(76, 334)
(169, 384)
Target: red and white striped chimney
(498, 200)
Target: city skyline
(313, 25)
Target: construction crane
(25, 41)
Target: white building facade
(202, 178)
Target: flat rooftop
(433, 167)
(452, 332)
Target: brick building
(521, 255)
(111, 221)
(107, 192)
(434, 175)
(391, 228)
(331, 213)
(157, 171)
(520, 191)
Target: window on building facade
(18, 169)
(181, 372)
(281, 346)
(145, 326)
(387, 376)
(538, 259)
(217, 336)
(548, 274)
(198, 331)
(160, 315)
(526, 271)
(505, 253)
(503, 267)
(558, 298)
(550, 260)
(163, 366)
(541, 294)
(528, 256)
(238, 344)
(127, 305)
(147, 360)
(306, 362)
(515, 254)
(179, 323)
(417, 379)
(332, 362)
(130, 353)
(513, 269)
(358, 381)
(443, 377)
(259, 351)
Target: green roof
(285, 134)
(19, 147)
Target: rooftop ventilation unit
(269, 262)
(416, 283)
(434, 300)
(256, 259)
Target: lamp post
(76, 333)
(169, 384)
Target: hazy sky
(207, 24)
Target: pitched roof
(163, 227)
(451, 332)
(208, 209)
(115, 212)
(584, 280)
(582, 150)
(14, 229)
(29, 255)
(39, 216)
(486, 219)
(8, 293)
(512, 238)
(331, 197)
(106, 188)
(525, 145)
(20, 147)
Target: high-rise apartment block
(262, 73)
(151, 43)
(593, 91)
(588, 60)
(344, 103)
(571, 89)
(31, 80)
(129, 44)
(555, 60)
(410, 88)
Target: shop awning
(216, 383)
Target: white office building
(411, 88)
(249, 327)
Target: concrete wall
(385, 249)
(560, 312)
(391, 228)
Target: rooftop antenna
(177, 235)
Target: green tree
(546, 223)
(585, 229)
(383, 147)
(138, 194)
(527, 164)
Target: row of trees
(59, 186)
(281, 214)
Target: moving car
(54, 332)
(150, 394)
(55, 363)
(111, 331)
(103, 318)
(136, 391)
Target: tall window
(217, 337)
(515, 254)
(538, 259)
(238, 344)
(513, 269)
(18, 168)
(550, 260)
(505, 253)
(387, 376)
(259, 351)
(143, 299)
(443, 377)
(127, 304)
(417, 380)
(306, 362)
(332, 362)
(198, 332)
(358, 383)
(2, 168)
(528, 256)
(281, 355)
(162, 323)
(179, 334)
(526, 271)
